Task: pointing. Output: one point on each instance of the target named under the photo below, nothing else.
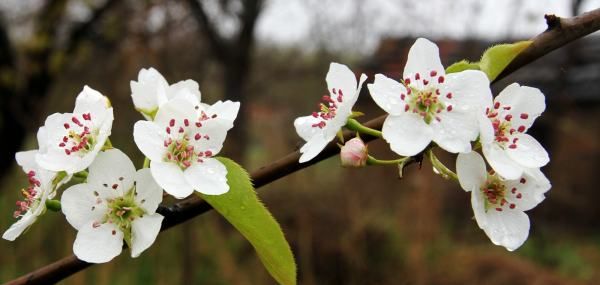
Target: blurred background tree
(345, 226)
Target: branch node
(552, 21)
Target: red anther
(198, 124)
(339, 98)
(181, 130)
(506, 108)
(508, 117)
(213, 116)
(315, 114)
(402, 96)
(523, 181)
(31, 173)
(524, 116)
(87, 116)
(186, 163)
(499, 209)
(433, 73)
(114, 186)
(515, 140)
(66, 125)
(496, 105)
(519, 196)
(438, 119)
(521, 129)
(186, 122)
(62, 144)
(512, 146)
(441, 79)
(340, 91)
(449, 108)
(408, 91)
(406, 107)
(208, 153)
(417, 76)
(333, 90)
(514, 190)
(425, 81)
(197, 136)
(512, 206)
(449, 96)
(172, 122)
(168, 130)
(407, 81)
(68, 152)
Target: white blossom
(116, 204)
(498, 203)
(321, 127)
(430, 105)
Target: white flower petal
(342, 78)
(19, 227)
(528, 190)
(387, 93)
(526, 104)
(189, 85)
(505, 228)
(304, 127)
(486, 130)
(178, 108)
(26, 159)
(423, 57)
(501, 162)
(150, 91)
(91, 101)
(208, 177)
(148, 193)
(144, 231)
(80, 204)
(313, 147)
(149, 138)
(470, 91)
(227, 110)
(529, 152)
(112, 169)
(42, 138)
(170, 177)
(455, 131)
(98, 244)
(471, 171)
(407, 134)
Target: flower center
(328, 108)
(495, 193)
(30, 196)
(503, 129)
(80, 139)
(424, 98)
(180, 148)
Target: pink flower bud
(354, 153)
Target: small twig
(556, 36)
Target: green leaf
(462, 66)
(242, 208)
(496, 58)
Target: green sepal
(356, 114)
(53, 205)
(462, 66)
(148, 113)
(242, 208)
(495, 59)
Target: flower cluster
(113, 203)
(429, 108)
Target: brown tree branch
(574, 28)
(219, 46)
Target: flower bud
(354, 153)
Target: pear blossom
(430, 105)
(42, 186)
(152, 90)
(116, 204)
(70, 141)
(322, 126)
(181, 143)
(498, 203)
(354, 153)
(505, 144)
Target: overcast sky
(342, 24)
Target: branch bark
(559, 33)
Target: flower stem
(374, 161)
(354, 125)
(440, 168)
(81, 175)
